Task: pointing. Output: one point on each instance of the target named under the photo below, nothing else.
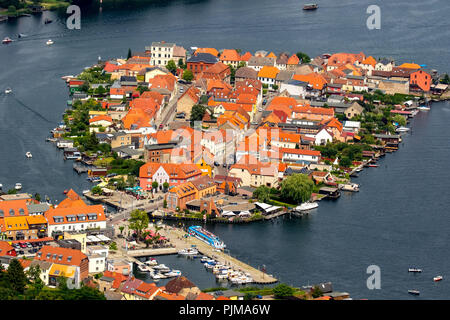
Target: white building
(97, 258)
(161, 53)
(300, 156)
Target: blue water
(398, 219)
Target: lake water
(399, 218)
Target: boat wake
(32, 110)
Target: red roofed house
(300, 155)
(313, 113)
(230, 56)
(188, 100)
(420, 81)
(70, 263)
(172, 173)
(217, 71)
(100, 121)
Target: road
(125, 214)
(169, 111)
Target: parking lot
(27, 248)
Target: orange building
(421, 80)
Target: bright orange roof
(212, 51)
(268, 72)
(36, 219)
(315, 110)
(230, 55)
(370, 60)
(271, 55)
(410, 66)
(314, 79)
(204, 296)
(293, 59)
(170, 296)
(246, 56)
(338, 59)
(101, 118)
(5, 247)
(71, 257)
(15, 205)
(15, 223)
(52, 213)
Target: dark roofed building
(200, 62)
(245, 73)
(181, 286)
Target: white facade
(293, 90)
(159, 176)
(76, 226)
(323, 137)
(297, 157)
(162, 53)
(269, 81)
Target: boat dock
(151, 252)
(180, 241)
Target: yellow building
(80, 237)
(205, 168)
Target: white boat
(49, 42)
(188, 252)
(423, 108)
(1, 186)
(415, 292)
(151, 262)
(437, 278)
(305, 206)
(173, 273)
(18, 186)
(204, 259)
(7, 40)
(162, 268)
(28, 154)
(8, 90)
(414, 270)
(142, 268)
(156, 275)
(402, 129)
(354, 187)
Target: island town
(210, 136)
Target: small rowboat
(414, 292)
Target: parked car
(21, 252)
(111, 175)
(264, 102)
(22, 245)
(29, 245)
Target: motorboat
(7, 40)
(310, 6)
(305, 206)
(423, 108)
(162, 268)
(173, 273)
(18, 186)
(414, 270)
(1, 186)
(222, 276)
(49, 42)
(151, 262)
(188, 252)
(372, 165)
(8, 90)
(354, 187)
(204, 259)
(157, 275)
(437, 278)
(28, 154)
(47, 21)
(414, 292)
(402, 129)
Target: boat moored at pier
(206, 236)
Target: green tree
(12, 10)
(131, 180)
(138, 221)
(171, 66)
(262, 193)
(181, 63)
(316, 292)
(400, 120)
(296, 188)
(275, 87)
(12, 191)
(345, 162)
(33, 275)
(100, 91)
(165, 203)
(16, 277)
(445, 79)
(166, 186)
(304, 58)
(113, 246)
(188, 75)
(155, 186)
(197, 113)
(121, 228)
(282, 291)
(96, 190)
(37, 197)
(129, 55)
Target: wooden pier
(177, 238)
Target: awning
(228, 214)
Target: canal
(398, 219)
